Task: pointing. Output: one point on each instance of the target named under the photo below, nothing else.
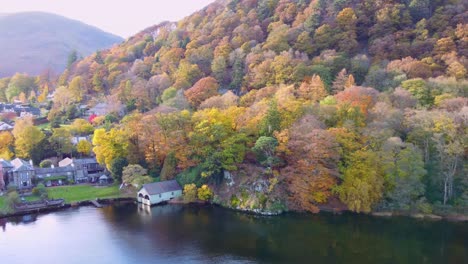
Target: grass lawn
(2, 203)
(76, 193)
(45, 126)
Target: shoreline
(110, 201)
(103, 201)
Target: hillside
(32, 42)
(278, 104)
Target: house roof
(5, 163)
(5, 126)
(161, 187)
(21, 165)
(40, 171)
(67, 161)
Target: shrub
(235, 202)
(40, 190)
(190, 193)
(205, 193)
(45, 164)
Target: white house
(157, 192)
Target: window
(159, 195)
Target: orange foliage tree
(202, 90)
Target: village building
(59, 175)
(5, 127)
(5, 167)
(157, 192)
(91, 169)
(21, 174)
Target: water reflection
(3, 223)
(204, 234)
(297, 238)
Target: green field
(78, 193)
(2, 203)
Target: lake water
(198, 234)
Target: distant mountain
(31, 42)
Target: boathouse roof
(162, 187)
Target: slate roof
(54, 170)
(162, 187)
(5, 163)
(5, 126)
(67, 162)
(21, 165)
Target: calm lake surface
(193, 234)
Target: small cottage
(157, 192)
(21, 174)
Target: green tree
(362, 185)
(403, 168)
(135, 175)
(272, 121)
(117, 168)
(169, 167)
(61, 141)
(420, 90)
(265, 150)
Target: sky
(120, 17)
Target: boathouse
(157, 192)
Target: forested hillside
(303, 102)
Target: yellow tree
(27, 137)
(312, 89)
(84, 147)
(6, 145)
(109, 145)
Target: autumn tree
(312, 89)
(202, 90)
(312, 164)
(84, 147)
(363, 182)
(27, 137)
(7, 142)
(190, 193)
(109, 145)
(204, 193)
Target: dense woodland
(360, 101)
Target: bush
(190, 193)
(205, 193)
(235, 202)
(190, 176)
(425, 208)
(40, 191)
(45, 164)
